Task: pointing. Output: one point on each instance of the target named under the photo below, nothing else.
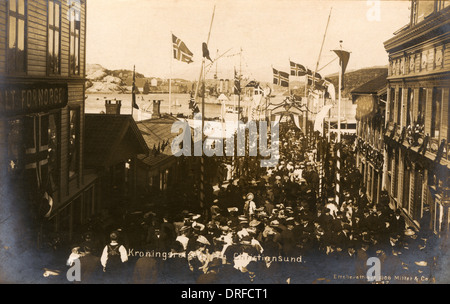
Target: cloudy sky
(123, 33)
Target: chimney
(227, 86)
(156, 109)
(113, 108)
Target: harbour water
(95, 103)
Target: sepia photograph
(207, 142)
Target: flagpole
(133, 94)
(202, 159)
(239, 93)
(338, 151)
(321, 48)
(207, 42)
(170, 80)
(305, 114)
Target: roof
(157, 133)
(373, 86)
(110, 139)
(223, 97)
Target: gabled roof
(110, 139)
(157, 133)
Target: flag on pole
(206, 51)
(344, 57)
(318, 123)
(259, 91)
(237, 84)
(297, 69)
(280, 78)
(180, 50)
(133, 93)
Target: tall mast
(320, 53)
(239, 92)
(170, 80)
(133, 91)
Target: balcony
(414, 138)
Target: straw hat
(202, 240)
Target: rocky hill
(354, 79)
(101, 80)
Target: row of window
(418, 117)
(415, 199)
(423, 8)
(17, 37)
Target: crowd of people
(283, 227)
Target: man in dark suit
(90, 266)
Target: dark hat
(113, 236)
(215, 263)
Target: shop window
(74, 139)
(15, 151)
(436, 113)
(54, 37)
(399, 106)
(391, 104)
(409, 101)
(406, 184)
(16, 52)
(396, 173)
(53, 149)
(421, 106)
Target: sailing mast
(239, 92)
(133, 91)
(170, 80)
(321, 48)
(202, 159)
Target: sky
(123, 33)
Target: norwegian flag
(297, 69)
(180, 50)
(280, 78)
(36, 161)
(259, 91)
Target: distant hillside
(101, 80)
(354, 79)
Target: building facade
(370, 115)
(42, 86)
(417, 117)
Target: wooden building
(159, 170)
(417, 117)
(42, 85)
(112, 143)
(370, 99)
